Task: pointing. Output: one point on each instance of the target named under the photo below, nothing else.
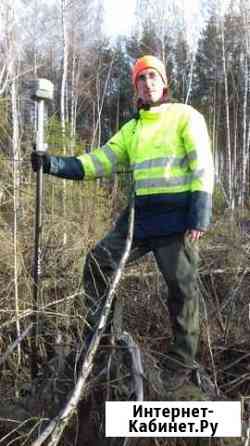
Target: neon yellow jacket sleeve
(197, 146)
(111, 157)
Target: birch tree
(245, 56)
(16, 190)
(65, 46)
(6, 55)
(64, 96)
(12, 71)
(228, 170)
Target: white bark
(235, 153)
(65, 67)
(15, 344)
(245, 13)
(13, 71)
(214, 139)
(75, 74)
(4, 79)
(228, 172)
(64, 103)
(100, 101)
(244, 136)
(190, 80)
(7, 24)
(16, 213)
(16, 188)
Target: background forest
(208, 64)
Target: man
(167, 146)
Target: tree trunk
(64, 105)
(190, 81)
(228, 172)
(13, 71)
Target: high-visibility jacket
(169, 153)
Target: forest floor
(224, 352)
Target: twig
(108, 377)
(217, 303)
(137, 368)
(236, 382)
(222, 271)
(210, 344)
(57, 426)
(19, 426)
(233, 294)
(15, 344)
(247, 423)
(247, 437)
(30, 311)
(236, 362)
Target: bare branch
(15, 344)
(57, 426)
(137, 368)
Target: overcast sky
(119, 16)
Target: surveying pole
(42, 92)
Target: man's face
(150, 86)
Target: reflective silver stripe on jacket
(168, 161)
(98, 164)
(112, 157)
(192, 156)
(168, 182)
(100, 172)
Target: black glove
(67, 167)
(37, 160)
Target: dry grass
(224, 283)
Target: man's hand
(193, 234)
(37, 160)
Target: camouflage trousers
(177, 259)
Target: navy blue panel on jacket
(160, 215)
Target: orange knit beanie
(148, 62)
